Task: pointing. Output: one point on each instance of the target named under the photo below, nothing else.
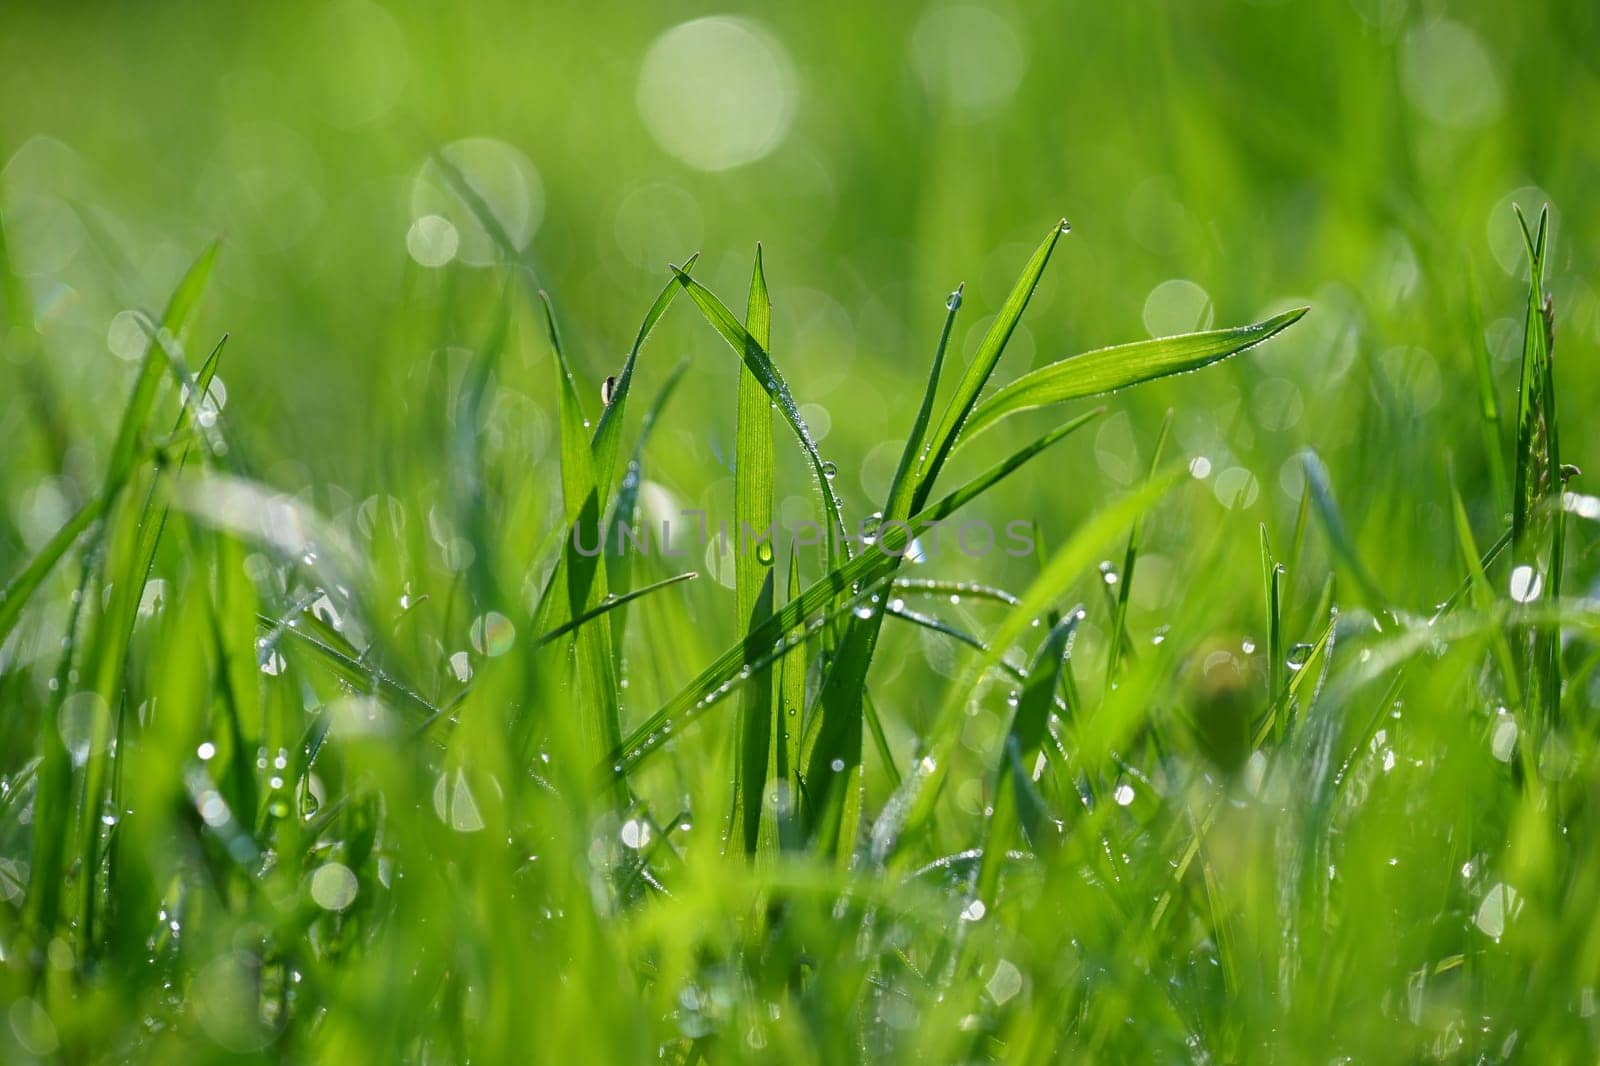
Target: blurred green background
(1217, 161)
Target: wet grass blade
(778, 822)
(954, 423)
(754, 570)
(613, 603)
(1066, 565)
(624, 509)
(104, 651)
(595, 691)
(1482, 593)
(124, 450)
(346, 664)
(1538, 525)
(14, 597)
(1120, 366)
(904, 485)
(756, 360)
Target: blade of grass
(759, 363)
(1068, 563)
(624, 508)
(585, 578)
(1109, 369)
(1537, 495)
(1024, 740)
(903, 487)
(951, 426)
(105, 648)
(754, 572)
(779, 826)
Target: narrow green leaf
(585, 576)
(759, 363)
(953, 424)
(904, 485)
(754, 556)
(1024, 740)
(1120, 366)
(612, 603)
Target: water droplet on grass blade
(1526, 584)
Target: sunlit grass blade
(962, 590)
(835, 744)
(759, 363)
(124, 450)
(1120, 366)
(613, 603)
(754, 570)
(595, 690)
(345, 663)
(904, 485)
(954, 423)
(104, 651)
(779, 823)
(1272, 573)
(624, 508)
(14, 597)
(1538, 523)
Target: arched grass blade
(1120, 366)
(759, 363)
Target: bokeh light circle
(717, 93)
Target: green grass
(324, 739)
